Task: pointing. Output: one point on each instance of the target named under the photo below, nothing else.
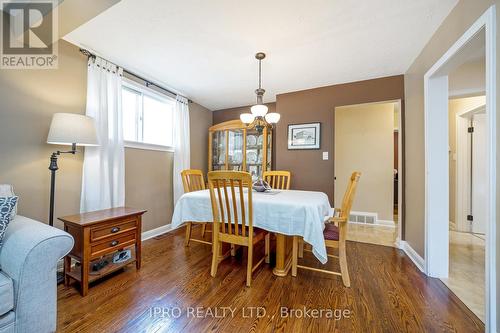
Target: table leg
(85, 264)
(85, 276)
(67, 269)
(283, 257)
(138, 244)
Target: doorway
(437, 235)
(468, 161)
(468, 197)
(367, 140)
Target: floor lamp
(67, 129)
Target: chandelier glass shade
(259, 110)
(247, 118)
(272, 117)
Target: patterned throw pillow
(7, 190)
(6, 207)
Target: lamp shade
(259, 110)
(69, 128)
(273, 117)
(247, 118)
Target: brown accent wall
(29, 98)
(309, 171)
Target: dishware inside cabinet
(219, 150)
(237, 147)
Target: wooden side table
(98, 234)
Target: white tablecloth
(288, 212)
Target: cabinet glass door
(269, 150)
(235, 150)
(254, 153)
(219, 150)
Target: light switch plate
(325, 156)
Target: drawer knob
(115, 230)
(114, 243)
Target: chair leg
(267, 245)
(301, 248)
(249, 265)
(203, 228)
(233, 250)
(215, 258)
(343, 265)
(188, 234)
(294, 255)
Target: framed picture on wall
(304, 136)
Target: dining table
(286, 213)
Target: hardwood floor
(388, 294)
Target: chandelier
(259, 118)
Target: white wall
(468, 79)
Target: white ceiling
(205, 49)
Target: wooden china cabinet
(234, 146)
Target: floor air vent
(365, 218)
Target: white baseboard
(413, 255)
(156, 232)
(386, 223)
(383, 224)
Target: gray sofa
(28, 286)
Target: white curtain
(182, 148)
(103, 183)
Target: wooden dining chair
(193, 180)
(335, 234)
(233, 217)
(278, 180)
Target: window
(147, 118)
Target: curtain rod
(147, 82)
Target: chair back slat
(345, 210)
(227, 206)
(279, 180)
(229, 209)
(243, 212)
(220, 212)
(235, 207)
(349, 195)
(192, 180)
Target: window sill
(147, 146)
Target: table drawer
(118, 227)
(112, 244)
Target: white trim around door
(437, 164)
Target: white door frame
(400, 174)
(437, 164)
